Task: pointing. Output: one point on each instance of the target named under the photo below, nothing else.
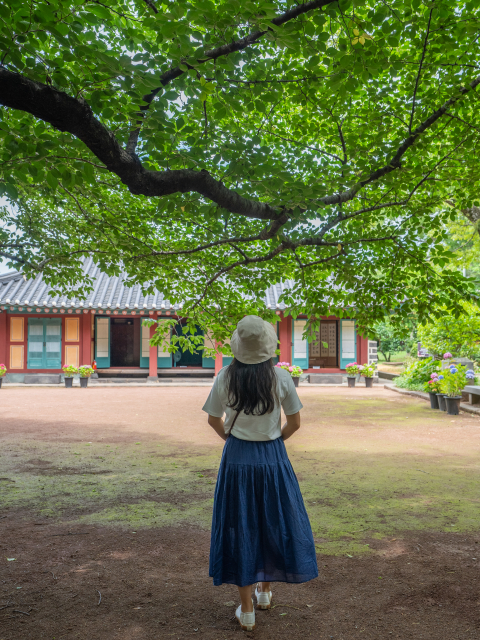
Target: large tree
(214, 147)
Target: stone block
(325, 378)
(43, 378)
(466, 362)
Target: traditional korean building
(40, 333)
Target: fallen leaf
(11, 559)
(230, 603)
(309, 605)
(283, 614)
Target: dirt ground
(105, 505)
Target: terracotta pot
(453, 405)
(441, 402)
(296, 381)
(433, 400)
(68, 382)
(84, 382)
(351, 381)
(368, 382)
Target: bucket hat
(253, 341)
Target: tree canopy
(211, 148)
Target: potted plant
(3, 371)
(440, 395)
(367, 371)
(352, 370)
(69, 370)
(292, 369)
(85, 372)
(451, 384)
(432, 387)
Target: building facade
(41, 333)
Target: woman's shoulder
(282, 374)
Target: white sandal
(264, 598)
(246, 620)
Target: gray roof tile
(109, 292)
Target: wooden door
(323, 348)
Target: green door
(44, 343)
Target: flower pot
(1, 380)
(368, 382)
(296, 381)
(351, 381)
(84, 382)
(68, 382)
(453, 405)
(433, 400)
(441, 402)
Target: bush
(459, 335)
(417, 374)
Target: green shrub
(459, 336)
(417, 374)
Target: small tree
(458, 335)
(389, 341)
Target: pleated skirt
(260, 528)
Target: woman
(260, 529)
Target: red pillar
(285, 331)
(153, 353)
(86, 354)
(362, 350)
(218, 360)
(3, 338)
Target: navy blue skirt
(260, 528)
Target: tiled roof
(109, 292)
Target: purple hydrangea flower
(447, 355)
(440, 377)
(453, 370)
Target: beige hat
(253, 341)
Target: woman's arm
(217, 426)
(292, 424)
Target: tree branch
(425, 42)
(223, 50)
(395, 162)
(75, 116)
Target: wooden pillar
(86, 353)
(218, 360)
(285, 331)
(362, 349)
(3, 339)
(153, 354)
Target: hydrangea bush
(292, 369)
(433, 385)
(352, 369)
(367, 370)
(85, 371)
(69, 370)
(453, 380)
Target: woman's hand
(292, 424)
(217, 426)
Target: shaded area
(153, 583)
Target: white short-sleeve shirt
(248, 427)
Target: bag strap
(233, 424)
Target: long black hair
(251, 388)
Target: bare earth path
(106, 497)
